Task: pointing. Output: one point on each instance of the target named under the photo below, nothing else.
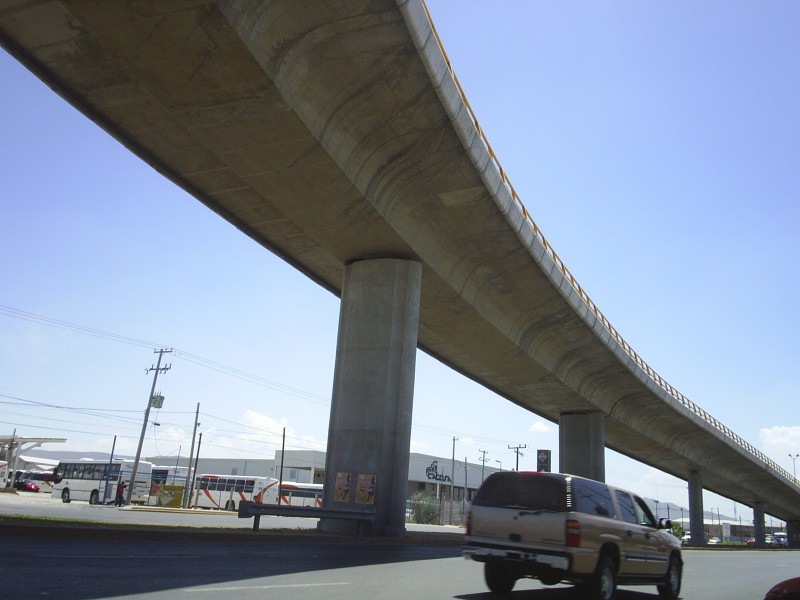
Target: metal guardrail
(660, 381)
(248, 509)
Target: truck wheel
(499, 580)
(65, 496)
(602, 585)
(671, 588)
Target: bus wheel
(94, 498)
(65, 496)
(230, 505)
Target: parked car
(751, 541)
(714, 540)
(686, 538)
(562, 528)
(26, 485)
(781, 539)
(785, 590)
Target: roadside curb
(32, 527)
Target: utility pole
(483, 460)
(158, 369)
(452, 478)
(517, 450)
(187, 488)
(9, 468)
(464, 501)
(196, 460)
(280, 475)
(108, 470)
(177, 464)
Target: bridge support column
(582, 444)
(697, 526)
(759, 531)
(793, 533)
(369, 436)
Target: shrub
(424, 509)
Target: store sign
(543, 461)
(432, 472)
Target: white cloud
(267, 425)
(421, 447)
(780, 439)
(540, 427)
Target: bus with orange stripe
(225, 492)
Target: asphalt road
(231, 562)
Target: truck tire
(602, 585)
(671, 588)
(499, 580)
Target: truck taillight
(573, 534)
(469, 523)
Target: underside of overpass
(332, 133)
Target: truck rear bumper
(530, 557)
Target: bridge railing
(660, 381)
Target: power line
(184, 355)
(199, 361)
(42, 320)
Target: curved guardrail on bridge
(660, 381)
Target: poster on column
(342, 491)
(365, 492)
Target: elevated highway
(335, 132)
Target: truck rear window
(518, 490)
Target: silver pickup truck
(562, 528)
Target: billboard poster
(365, 493)
(342, 491)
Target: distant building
(437, 476)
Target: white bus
(96, 481)
(226, 491)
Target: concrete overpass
(335, 135)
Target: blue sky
(656, 145)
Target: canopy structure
(12, 445)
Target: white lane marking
(108, 556)
(260, 587)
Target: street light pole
(794, 464)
